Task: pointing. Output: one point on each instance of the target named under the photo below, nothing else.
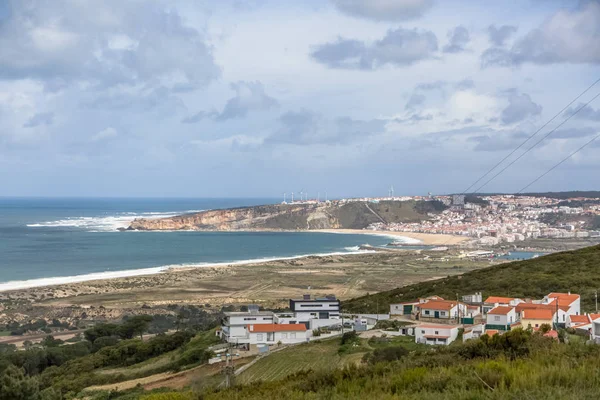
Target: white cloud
(106, 133)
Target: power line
(558, 164)
(530, 137)
(536, 143)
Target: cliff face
(352, 215)
(311, 216)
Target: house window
(259, 337)
(249, 319)
(496, 318)
(443, 313)
(426, 312)
(293, 335)
(423, 332)
(284, 335)
(537, 325)
(437, 332)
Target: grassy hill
(576, 271)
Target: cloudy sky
(254, 98)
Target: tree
(135, 326)
(101, 330)
(50, 341)
(14, 385)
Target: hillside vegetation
(576, 271)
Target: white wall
(275, 337)
(495, 319)
(422, 331)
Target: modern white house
(274, 333)
(501, 317)
(313, 313)
(234, 325)
(436, 334)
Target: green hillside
(576, 271)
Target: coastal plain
(270, 283)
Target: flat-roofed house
(436, 334)
(233, 326)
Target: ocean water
(50, 241)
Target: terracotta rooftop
(538, 314)
(500, 310)
(564, 298)
(438, 305)
(579, 318)
(497, 299)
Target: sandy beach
(422, 238)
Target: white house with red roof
(572, 302)
(501, 316)
(436, 334)
(274, 333)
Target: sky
(233, 98)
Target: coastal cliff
(335, 215)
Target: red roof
(553, 334)
(500, 310)
(438, 305)
(594, 316)
(491, 332)
(579, 318)
(564, 298)
(497, 299)
(534, 306)
(538, 314)
(261, 328)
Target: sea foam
(109, 223)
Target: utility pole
(228, 370)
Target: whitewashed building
(234, 325)
(314, 313)
(270, 334)
(436, 334)
(501, 317)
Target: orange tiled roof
(491, 332)
(564, 298)
(438, 305)
(261, 328)
(500, 310)
(538, 314)
(594, 316)
(497, 299)
(579, 318)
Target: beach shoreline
(409, 239)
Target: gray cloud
(306, 128)
(458, 38)
(249, 96)
(384, 10)
(586, 112)
(105, 43)
(520, 107)
(499, 35)
(415, 100)
(497, 140)
(569, 36)
(40, 119)
(400, 47)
